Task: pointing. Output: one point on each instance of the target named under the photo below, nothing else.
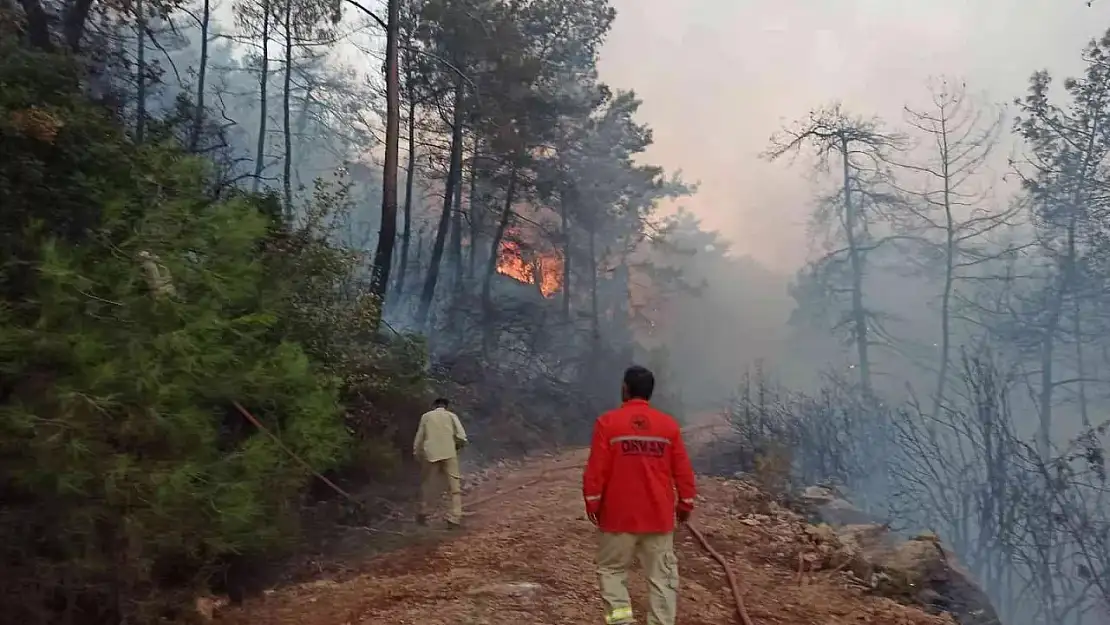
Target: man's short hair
(441, 402)
(640, 382)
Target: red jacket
(637, 461)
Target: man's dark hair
(640, 382)
(441, 402)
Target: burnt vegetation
(964, 331)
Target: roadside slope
(526, 556)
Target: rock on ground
(919, 570)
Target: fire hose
(734, 585)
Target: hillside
(526, 556)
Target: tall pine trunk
(429, 291)
(488, 334)
(859, 313)
(301, 126)
(140, 73)
(456, 236)
(410, 177)
(1081, 367)
(475, 214)
(387, 233)
(263, 82)
(287, 130)
(202, 78)
(495, 244)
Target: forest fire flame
(515, 262)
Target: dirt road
(526, 556)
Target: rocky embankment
(918, 571)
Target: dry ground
(526, 556)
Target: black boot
(454, 525)
(421, 519)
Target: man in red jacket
(637, 461)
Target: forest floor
(526, 555)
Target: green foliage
(124, 466)
(328, 308)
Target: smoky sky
(718, 77)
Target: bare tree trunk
(140, 72)
(301, 125)
(1048, 346)
(963, 139)
(410, 177)
(456, 236)
(263, 82)
(387, 234)
(1080, 367)
(418, 264)
(202, 78)
(488, 331)
(495, 244)
(1056, 303)
(859, 314)
(476, 213)
(429, 292)
(287, 130)
(949, 276)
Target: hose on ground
(737, 597)
(734, 584)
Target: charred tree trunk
(39, 21)
(476, 214)
(202, 78)
(1048, 345)
(1081, 368)
(38, 25)
(456, 236)
(263, 81)
(1068, 276)
(140, 73)
(73, 23)
(286, 126)
(387, 234)
(429, 292)
(418, 264)
(410, 177)
(301, 126)
(859, 313)
(949, 273)
(491, 261)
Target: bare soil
(526, 556)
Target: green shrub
(124, 469)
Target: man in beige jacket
(439, 438)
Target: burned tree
(849, 216)
(948, 211)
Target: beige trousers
(656, 555)
(432, 478)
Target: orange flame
(512, 261)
